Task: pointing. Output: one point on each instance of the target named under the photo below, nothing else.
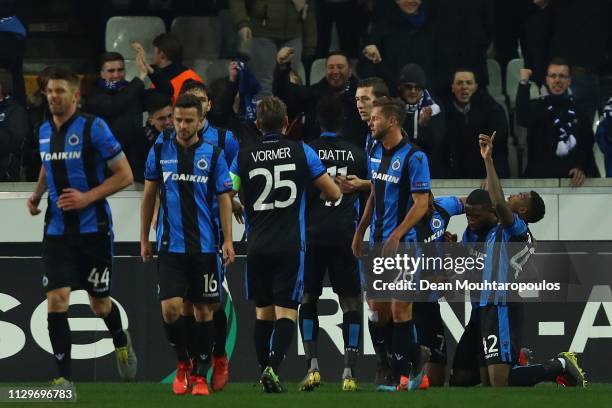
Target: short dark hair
(194, 85)
(560, 61)
(188, 101)
(156, 100)
(271, 112)
(64, 74)
(537, 208)
(110, 56)
(378, 85)
(330, 113)
(465, 69)
(392, 107)
(340, 53)
(479, 197)
(170, 45)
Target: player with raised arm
(76, 151)
(398, 201)
(189, 173)
(271, 176)
(490, 339)
(330, 230)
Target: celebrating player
(271, 176)
(76, 150)
(330, 230)
(189, 174)
(398, 201)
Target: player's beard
(381, 133)
(186, 137)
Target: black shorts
(195, 277)
(468, 354)
(275, 279)
(500, 333)
(82, 261)
(430, 330)
(341, 265)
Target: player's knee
(58, 300)
(171, 311)
(401, 311)
(350, 303)
(285, 313)
(101, 307)
(204, 312)
(265, 313)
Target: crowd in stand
(431, 53)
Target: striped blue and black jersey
(76, 156)
(223, 139)
(432, 227)
(273, 174)
(497, 254)
(190, 179)
(395, 175)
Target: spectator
(401, 34)
(424, 122)
(38, 108)
(166, 70)
(120, 104)
(559, 134)
(343, 13)
(604, 136)
(14, 131)
(470, 112)
(12, 43)
(580, 32)
(338, 81)
(527, 22)
(464, 31)
(159, 108)
(265, 26)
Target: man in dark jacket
(424, 122)
(402, 33)
(464, 31)
(338, 81)
(14, 130)
(470, 112)
(119, 103)
(559, 134)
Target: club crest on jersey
(436, 223)
(73, 140)
(202, 164)
(396, 164)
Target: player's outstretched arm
(493, 184)
(329, 190)
(351, 184)
(39, 190)
(225, 213)
(147, 208)
(366, 218)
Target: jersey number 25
(274, 183)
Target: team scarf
(566, 141)
(425, 101)
(111, 85)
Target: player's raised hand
(486, 145)
(72, 199)
(284, 55)
(32, 204)
(146, 251)
(228, 252)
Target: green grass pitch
(151, 395)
